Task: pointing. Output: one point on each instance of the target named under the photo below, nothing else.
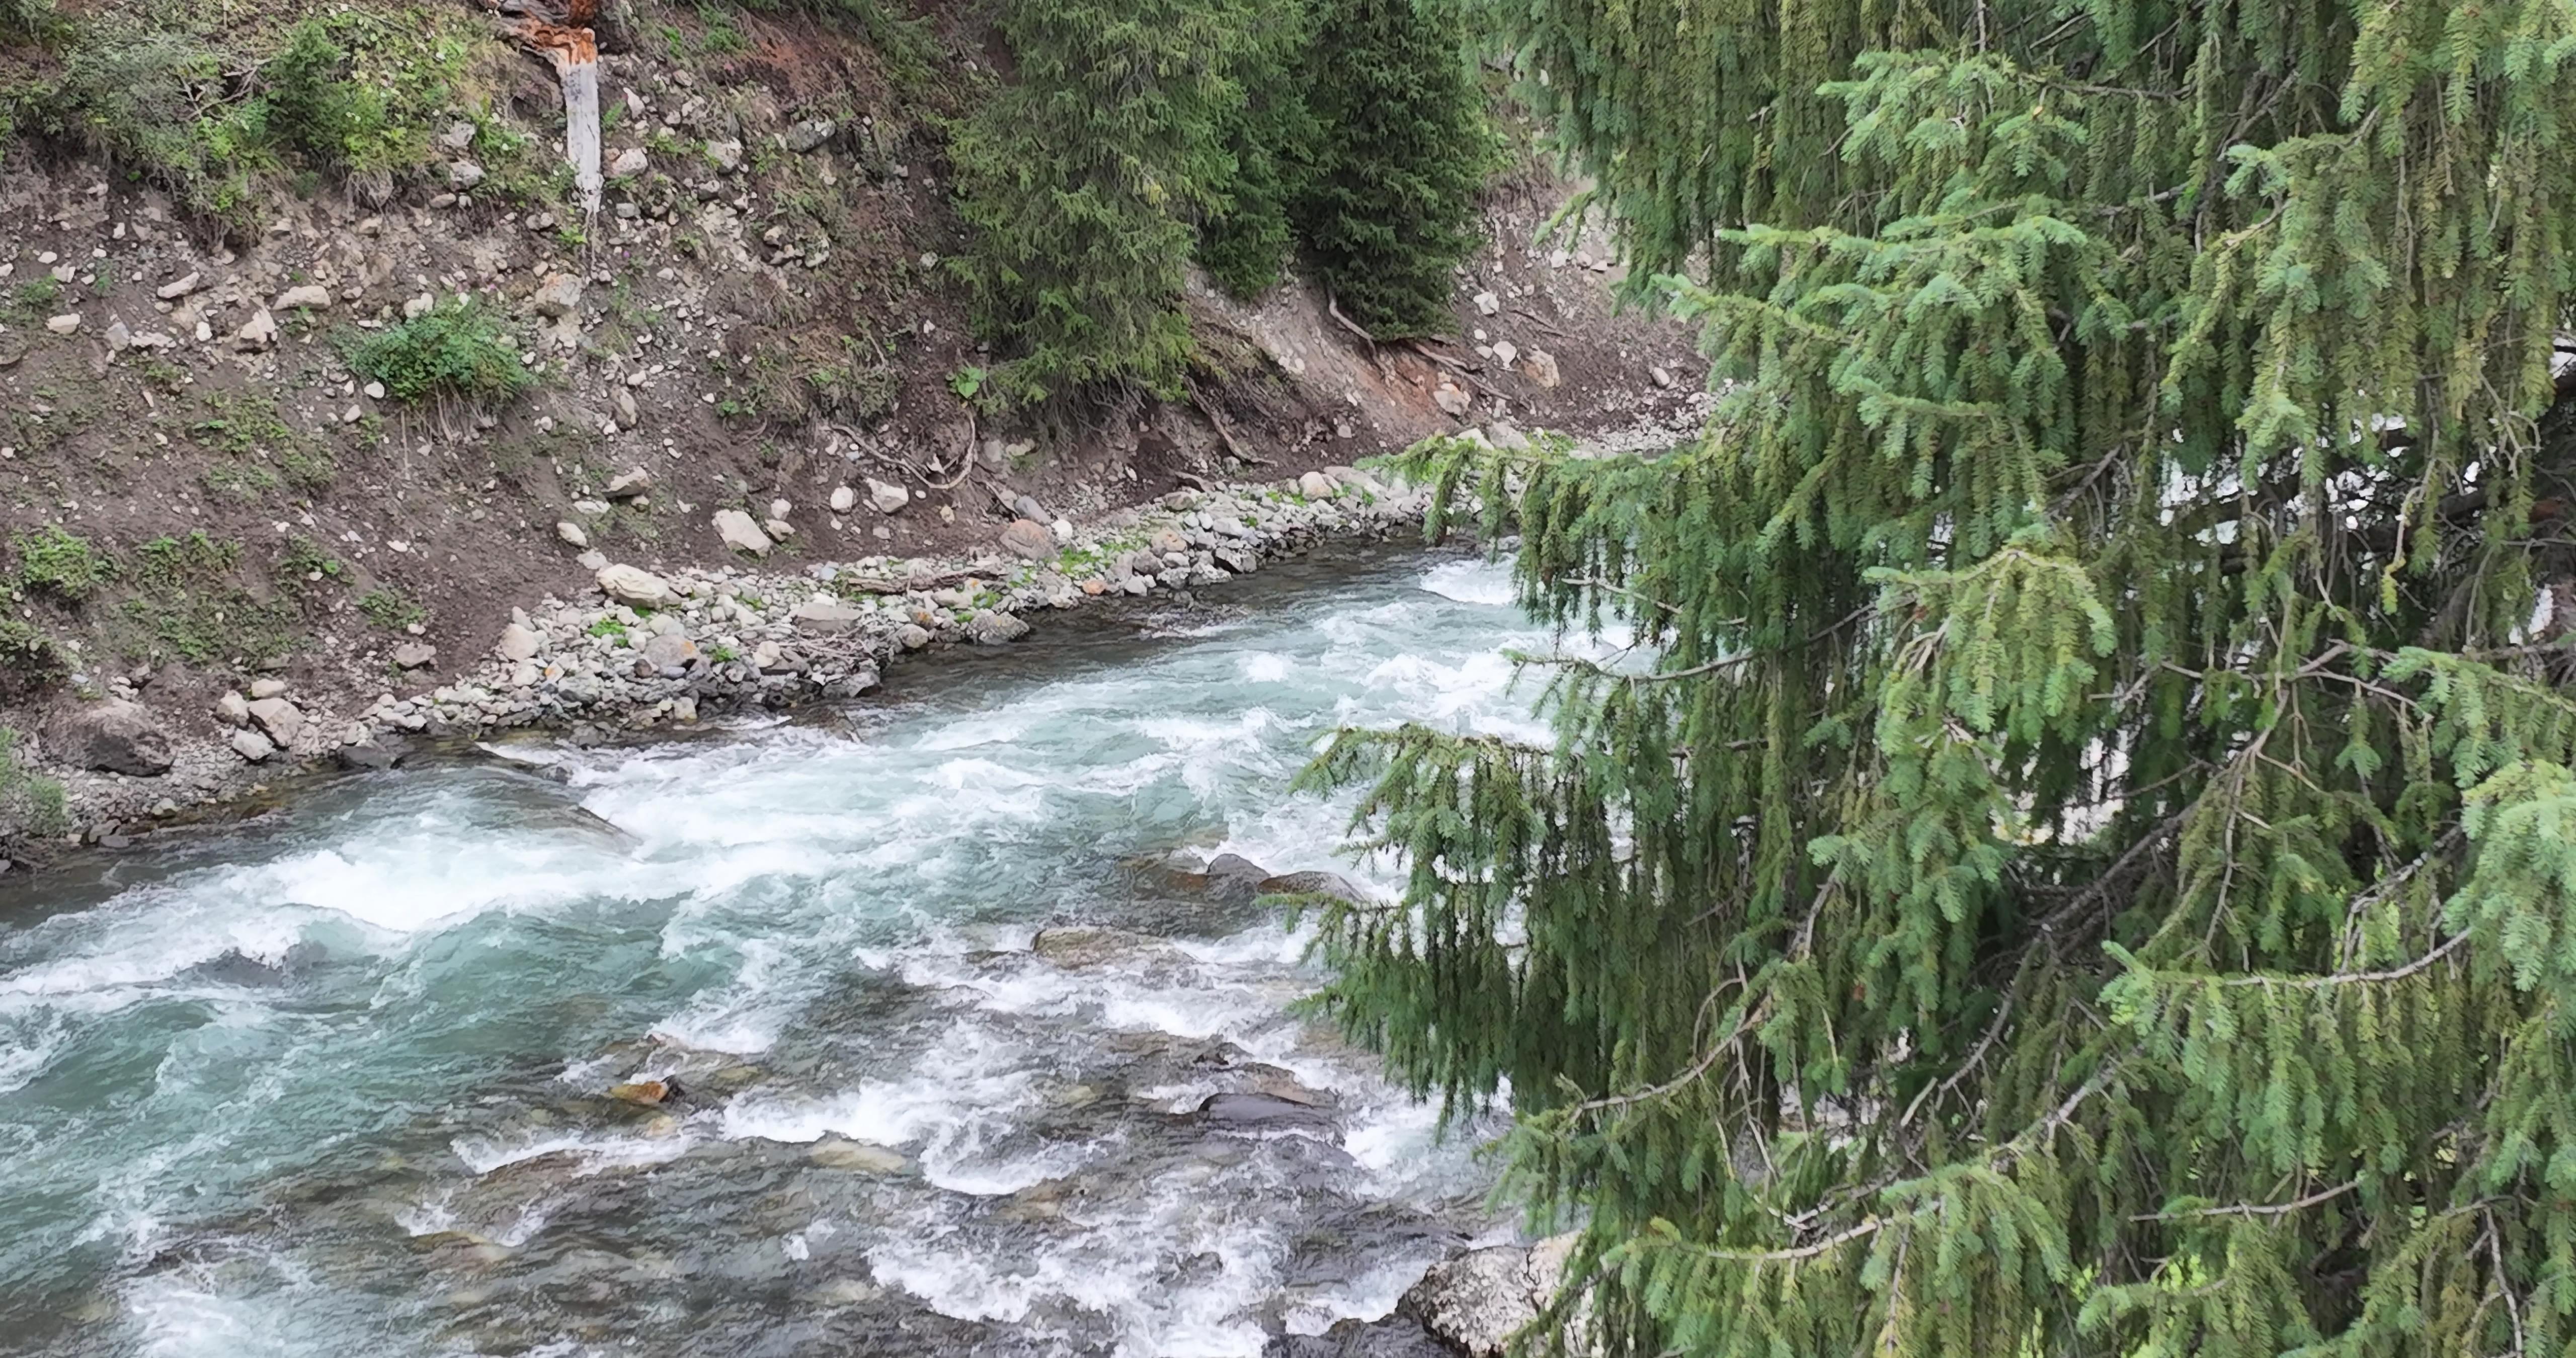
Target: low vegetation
(30, 802)
(54, 562)
(191, 605)
(219, 111)
(458, 348)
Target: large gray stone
(115, 736)
(636, 587)
(1235, 878)
(827, 615)
(518, 643)
(1476, 1302)
(992, 627)
(1029, 539)
(282, 720)
(667, 649)
(740, 533)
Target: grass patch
(457, 349)
(30, 661)
(249, 428)
(226, 111)
(193, 606)
(34, 298)
(389, 609)
(52, 561)
(30, 802)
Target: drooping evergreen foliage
(2084, 861)
(1401, 151)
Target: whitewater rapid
(341, 1081)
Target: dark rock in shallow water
(1262, 1112)
(1315, 884)
(1393, 1337)
(376, 752)
(1235, 879)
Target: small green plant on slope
(387, 608)
(60, 564)
(30, 661)
(456, 349)
(192, 605)
(30, 802)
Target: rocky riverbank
(644, 649)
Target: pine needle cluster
(2090, 865)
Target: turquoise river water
(338, 1082)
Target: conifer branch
(2243, 1209)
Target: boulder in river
(1331, 884)
(375, 752)
(1252, 1112)
(861, 1157)
(1393, 1337)
(645, 1093)
(1234, 879)
(115, 736)
(1077, 946)
(1476, 1302)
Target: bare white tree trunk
(580, 77)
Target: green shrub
(315, 106)
(156, 102)
(57, 563)
(29, 19)
(30, 802)
(1083, 182)
(30, 661)
(458, 348)
(1401, 156)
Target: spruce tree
(1245, 243)
(1401, 152)
(2086, 862)
(1084, 178)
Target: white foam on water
(590, 1152)
(1471, 582)
(969, 1076)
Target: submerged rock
(1262, 1112)
(645, 1093)
(1315, 884)
(1077, 946)
(1393, 1337)
(864, 1157)
(1234, 879)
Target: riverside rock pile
(648, 648)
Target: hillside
(313, 370)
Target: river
(339, 1081)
